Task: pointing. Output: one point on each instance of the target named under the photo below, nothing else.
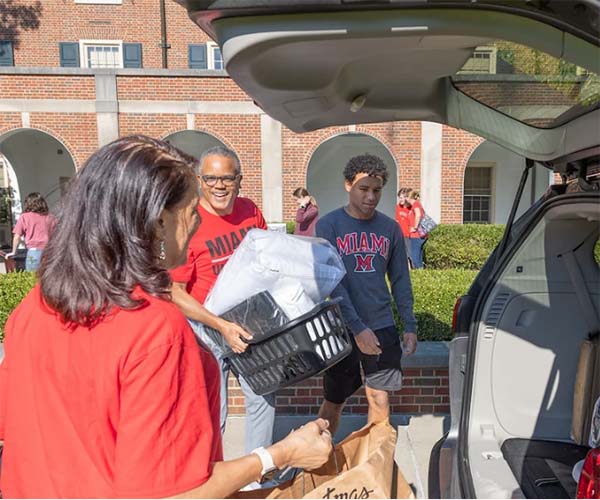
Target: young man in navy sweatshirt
(371, 246)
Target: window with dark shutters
(69, 54)
(132, 55)
(6, 53)
(197, 56)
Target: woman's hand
(308, 447)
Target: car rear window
(528, 84)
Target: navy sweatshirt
(370, 249)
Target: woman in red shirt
(104, 390)
(416, 238)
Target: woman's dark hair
(35, 202)
(365, 164)
(105, 241)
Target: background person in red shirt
(104, 389)
(307, 213)
(402, 211)
(416, 237)
(226, 220)
(34, 225)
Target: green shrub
(461, 246)
(290, 226)
(435, 293)
(13, 288)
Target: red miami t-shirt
(127, 408)
(402, 219)
(212, 245)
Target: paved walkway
(416, 437)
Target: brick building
(75, 74)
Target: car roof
(313, 64)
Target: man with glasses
(226, 218)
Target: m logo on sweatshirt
(364, 263)
(364, 247)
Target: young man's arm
(399, 277)
(196, 311)
(365, 339)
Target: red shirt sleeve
(260, 220)
(184, 273)
(165, 431)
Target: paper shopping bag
(361, 466)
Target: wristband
(266, 461)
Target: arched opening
(31, 161)
(490, 182)
(193, 142)
(325, 179)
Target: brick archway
(457, 148)
(76, 161)
(332, 134)
(206, 131)
(334, 150)
(39, 161)
(465, 162)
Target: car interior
(536, 371)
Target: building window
(7, 57)
(477, 200)
(483, 61)
(215, 58)
(101, 54)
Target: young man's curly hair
(365, 164)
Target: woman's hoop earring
(162, 254)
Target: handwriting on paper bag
(354, 493)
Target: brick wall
(179, 89)
(134, 21)
(241, 132)
(457, 148)
(47, 87)
(425, 391)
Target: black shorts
(381, 371)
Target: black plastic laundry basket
(303, 347)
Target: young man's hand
(367, 342)
(233, 334)
(409, 343)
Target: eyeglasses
(227, 180)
